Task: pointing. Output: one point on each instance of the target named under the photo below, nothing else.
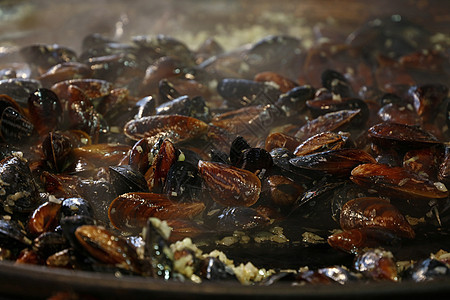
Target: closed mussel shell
(131, 211)
(374, 212)
(334, 162)
(230, 186)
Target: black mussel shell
(238, 145)
(125, 179)
(18, 190)
(211, 268)
(294, 101)
(76, 206)
(183, 183)
(427, 270)
(240, 218)
(49, 243)
(12, 235)
(255, 159)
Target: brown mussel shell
(397, 181)
(374, 212)
(131, 211)
(174, 127)
(321, 142)
(230, 186)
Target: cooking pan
(233, 23)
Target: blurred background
(231, 22)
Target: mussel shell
(240, 218)
(185, 106)
(19, 89)
(157, 173)
(99, 193)
(320, 107)
(45, 110)
(44, 218)
(70, 224)
(283, 83)
(280, 140)
(15, 128)
(254, 159)
(355, 240)
(281, 165)
(177, 128)
(374, 212)
(283, 191)
(57, 147)
(92, 88)
(228, 185)
(145, 107)
(397, 181)
(211, 268)
(156, 249)
(401, 136)
(126, 179)
(183, 182)
(76, 206)
(334, 162)
(131, 211)
(49, 243)
(276, 53)
(18, 190)
(427, 98)
(294, 101)
(44, 56)
(238, 145)
(243, 92)
(167, 92)
(12, 235)
(336, 83)
(427, 270)
(405, 37)
(164, 45)
(333, 121)
(377, 264)
(321, 142)
(106, 247)
(313, 209)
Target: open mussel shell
(44, 218)
(107, 247)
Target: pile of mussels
(142, 157)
